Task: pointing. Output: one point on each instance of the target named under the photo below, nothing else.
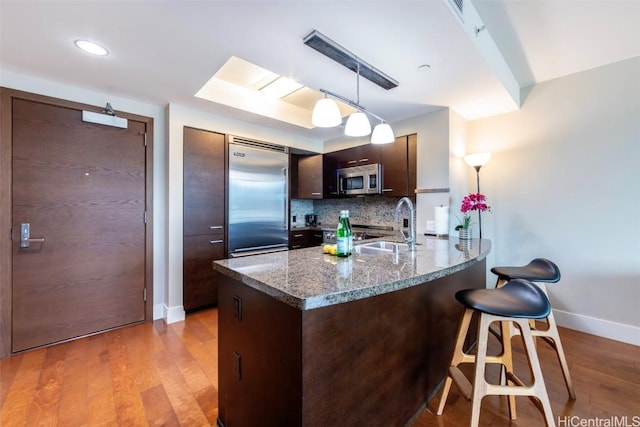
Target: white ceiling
(164, 51)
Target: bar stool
(540, 270)
(516, 302)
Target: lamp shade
(357, 125)
(382, 134)
(477, 159)
(326, 114)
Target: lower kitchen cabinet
(200, 281)
(315, 237)
(251, 325)
(344, 364)
(299, 239)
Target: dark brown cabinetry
(250, 325)
(399, 166)
(299, 239)
(331, 365)
(307, 176)
(329, 174)
(398, 162)
(204, 216)
(412, 167)
(358, 156)
(315, 237)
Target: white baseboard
(600, 327)
(169, 314)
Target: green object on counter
(344, 235)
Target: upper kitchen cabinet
(329, 175)
(204, 216)
(398, 161)
(412, 160)
(307, 173)
(357, 156)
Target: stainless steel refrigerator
(258, 206)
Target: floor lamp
(476, 161)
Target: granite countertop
(308, 279)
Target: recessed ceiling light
(91, 47)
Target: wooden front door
(81, 187)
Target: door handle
(25, 236)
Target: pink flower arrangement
(472, 202)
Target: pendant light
(326, 113)
(358, 123)
(382, 134)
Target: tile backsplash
(300, 208)
(370, 210)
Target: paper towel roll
(441, 214)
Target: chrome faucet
(411, 237)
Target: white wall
(563, 184)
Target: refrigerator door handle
(286, 197)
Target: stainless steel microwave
(366, 179)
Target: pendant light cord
(358, 82)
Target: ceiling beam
(470, 21)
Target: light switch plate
(431, 226)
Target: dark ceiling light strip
(333, 50)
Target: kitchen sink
(363, 235)
(381, 247)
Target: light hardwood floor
(166, 375)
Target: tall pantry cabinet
(204, 237)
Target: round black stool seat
(518, 298)
(538, 270)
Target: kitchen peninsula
(308, 339)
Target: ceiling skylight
(281, 87)
(246, 86)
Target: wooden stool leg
(507, 365)
(458, 357)
(500, 282)
(538, 388)
(511, 386)
(552, 332)
(479, 382)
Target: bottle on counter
(344, 235)
(344, 272)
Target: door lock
(25, 238)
